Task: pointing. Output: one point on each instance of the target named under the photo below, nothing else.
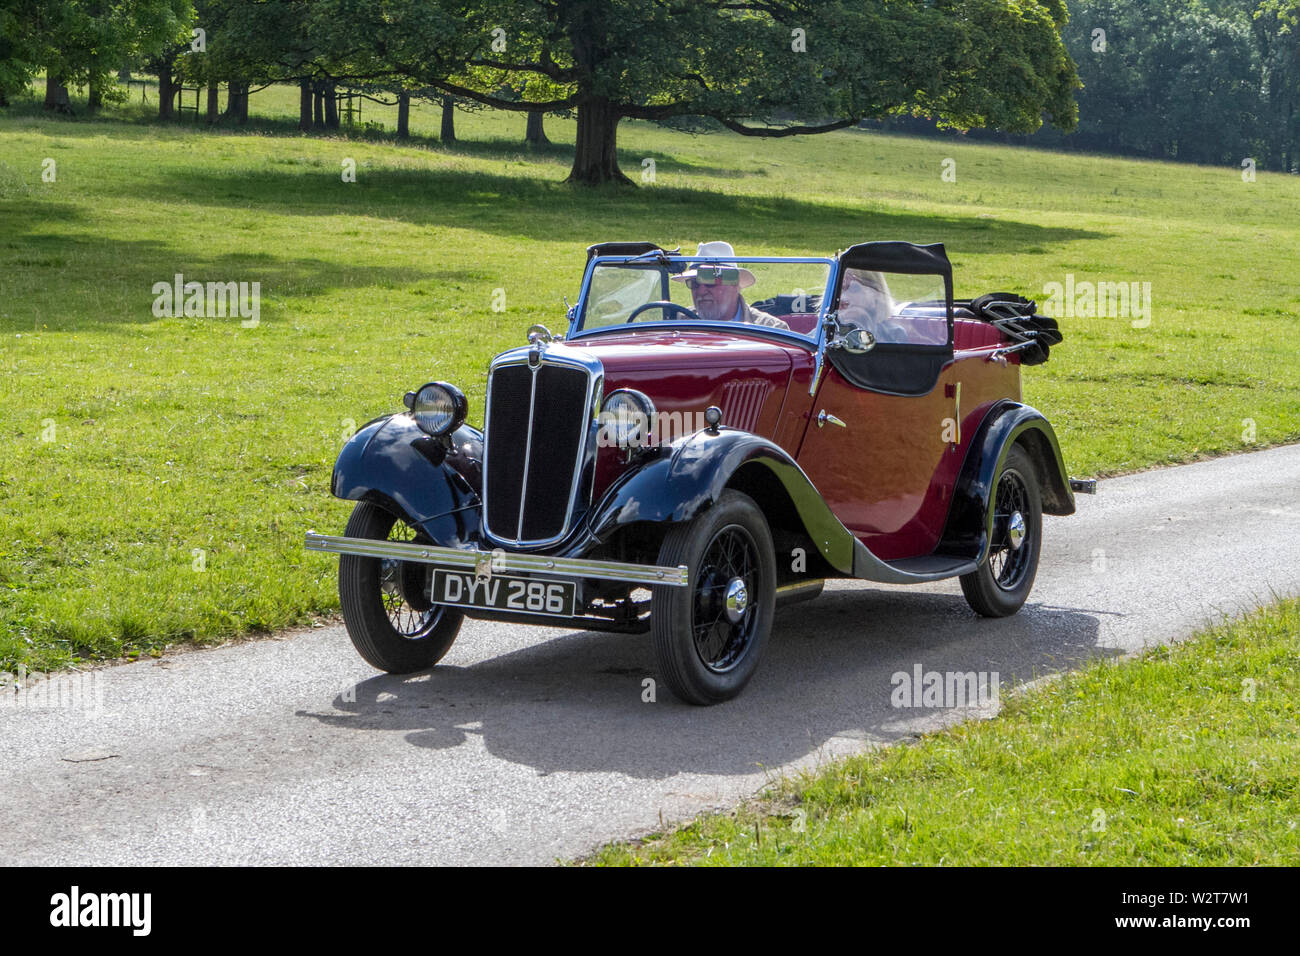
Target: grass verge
(1183, 756)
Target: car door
(883, 422)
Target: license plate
(504, 593)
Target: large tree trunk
(595, 157)
(448, 134)
(1288, 138)
(319, 96)
(304, 106)
(403, 115)
(331, 106)
(95, 98)
(535, 135)
(237, 102)
(214, 104)
(56, 95)
(166, 91)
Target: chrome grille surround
(535, 358)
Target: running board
(1084, 486)
(929, 567)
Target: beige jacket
(748, 313)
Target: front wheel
(1000, 586)
(708, 636)
(386, 607)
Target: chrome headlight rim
(439, 408)
(621, 428)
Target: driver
(715, 288)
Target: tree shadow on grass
(66, 281)
(133, 124)
(529, 208)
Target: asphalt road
(526, 745)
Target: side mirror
(856, 341)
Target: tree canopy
(760, 69)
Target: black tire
(1001, 585)
(704, 657)
(386, 605)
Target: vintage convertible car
(714, 435)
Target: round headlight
(439, 408)
(627, 419)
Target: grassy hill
(156, 474)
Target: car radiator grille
(535, 435)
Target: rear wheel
(386, 605)
(709, 636)
(1000, 586)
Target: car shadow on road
(578, 702)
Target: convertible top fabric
(632, 248)
(899, 257)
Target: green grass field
(157, 474)
(1183, 757)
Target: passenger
(865, 302)
(715, 288)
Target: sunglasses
(863, 284)
(714, 275)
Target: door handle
(823, 417)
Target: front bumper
(487, 563)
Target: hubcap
(737, 600)
(1016, 531)
(1009, 559)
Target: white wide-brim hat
(716, 250)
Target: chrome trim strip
(500, 561)
(528, 447)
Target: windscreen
(779, 295)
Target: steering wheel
(670, 306)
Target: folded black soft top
(1017, 318)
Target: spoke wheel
(386, 606)
(722, 625)
(709, 636)
(1001, 585)
(1008, 558)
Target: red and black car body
(756, 462)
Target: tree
(20, 45)
(85, 41)
(1275, 26)
(763, 68)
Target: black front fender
(689, 478)
(392, 463)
